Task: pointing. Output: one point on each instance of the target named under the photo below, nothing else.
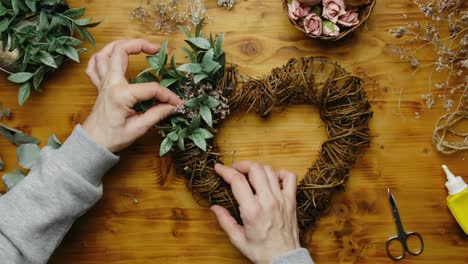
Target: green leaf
(3, 10)
(189, 54)
(195, 124)
(173, 136)
(166, 146)
(13, 178)
(31, 4)
(21, 138)
(317, 10)
(20, 77)
(26, 154)
(192, 103)
(145, 77)
(205, 113)
(199, 141)
(183, 133)
(159, 60)
(186, 32)
(54, 142)
(190, 68)
(199, 77)
(167, 82)
(23, 93)
(203, 132)
(15, 5)
(43, 21)
(38, 77)
(219, 44)
(74, 13)
(46, 58)
(4, 24)
(211, 102)
(208, 57)
(94, 24)
(6, 134)
(198, 28)
(84, 33)
(201, 43)
(82, 22)
(329, 25)
(70, 52)
(181, 143)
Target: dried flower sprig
(166, 15)
(196, 83)
(445, 31)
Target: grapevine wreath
(211, 90)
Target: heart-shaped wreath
(211, 91)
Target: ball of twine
(314, 80)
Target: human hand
(269, 216)
(113, 123)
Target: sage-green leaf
(3, 10)
(166, 146)
(43, 21)
(4, 22)
(192, 103)
(186, 32)
(208, 57)
(201, 43)
(38, 77)
(211, 102)
(167, 82)
(21, 138)
(23, 93)
(219, 44)
(199, 77)
(195, 124)
(205, 113)
(70, 52)
(2, 164)
(190, 68)
(20, 77)
(74, 13)
(26, 154)
(82, 22)
(6, 134)
(85, 34)
(13, 178)
(189, 54)
(181, 143)
(173, 136)
(15, 6)
(198, 140)
(204, 133)
(46, 58)
(12, 130)
(198, 32)
(31, 4)
(54, 142)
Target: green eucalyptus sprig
(196, 83)
(41, 31)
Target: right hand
(269, 216)
(113, 123)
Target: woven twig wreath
(343, 107)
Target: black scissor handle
(408, 249)
(397, 239)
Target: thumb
(229, 224)
(153, 116)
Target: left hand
(113, 123)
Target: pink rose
(349, 19)
(330, 29)
(297, 10)
(310, 2)
(332, 9)
(313, 24)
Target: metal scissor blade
(395, 213)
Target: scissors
(402, 236)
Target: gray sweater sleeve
(61, 186)
(297, 256)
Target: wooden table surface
(167, 226)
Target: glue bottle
(457, 200)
